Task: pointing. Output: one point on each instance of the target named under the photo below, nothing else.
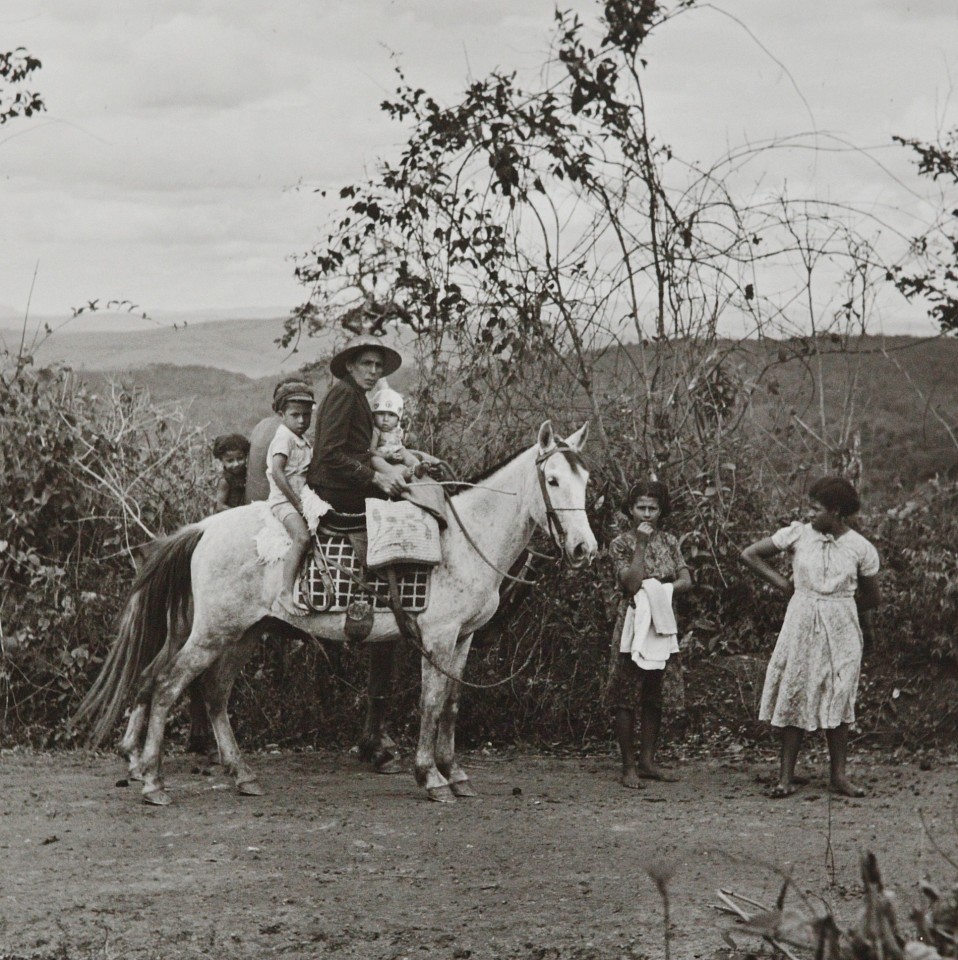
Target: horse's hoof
(441, 794)
(135, 775)
(388, 765)
(250, 788)
(463, 789)
(157, 798)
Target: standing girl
(641, 554)
(812, 678)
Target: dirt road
(335, 861)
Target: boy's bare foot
(652, 772)
(846, 788)
(630, 780)
(285, 603)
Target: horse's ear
(578, 439)
(547, 437)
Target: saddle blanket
(400, 532)
(272, 541)
(330, 588)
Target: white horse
(206, 584)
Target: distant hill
(220, 401)
(224, 373)
(241, 346)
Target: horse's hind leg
(217, 684)
(168, 687)
(131, 744)
(446, 733)
(201, 739)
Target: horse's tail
(156, 611)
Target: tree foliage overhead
(936, 278)
(15, 66)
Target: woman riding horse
(342, 470)
(343, 474)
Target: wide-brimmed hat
(392, 360)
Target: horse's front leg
(436, 668)
(446, 734)
(376, 746)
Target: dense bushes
(84, 479)
(87, 477)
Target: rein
(554, 523)
(407, 624)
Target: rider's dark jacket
(344, 432)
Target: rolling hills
(904, 398)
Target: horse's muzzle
(582, 554)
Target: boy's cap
(290, 391)
(392, 360)
(229, 441)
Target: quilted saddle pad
(315, 582)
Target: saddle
(334, 574)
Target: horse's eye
(552, 482)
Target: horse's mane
(571, 455)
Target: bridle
(553, 521)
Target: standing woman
(641, 553)
(812, 677)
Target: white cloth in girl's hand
(650, 633)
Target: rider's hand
(391, 483)
(645, 530)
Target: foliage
(935, 279)
(15, 67)
(876, 932)
(86, 478)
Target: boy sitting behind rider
(232, 450)
(388, 441)
(288, 458)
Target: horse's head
(562, 481)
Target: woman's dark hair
(648, 488)
(837, 494)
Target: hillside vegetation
(95, 469)
(894, 398)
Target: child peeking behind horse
(232, 451)
(287, 461)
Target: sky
(175, 166)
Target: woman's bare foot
(844, 786)
(630, 779)
(652, 772)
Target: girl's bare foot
(844, 786)
(630, 779)
(652, 772)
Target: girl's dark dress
(663, 561)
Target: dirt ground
(550, 861)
